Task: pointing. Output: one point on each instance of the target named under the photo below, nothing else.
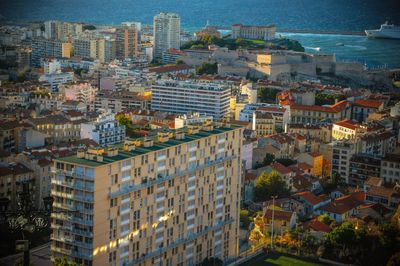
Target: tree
(123, 120)
(212, 262)
(268, 185)
(394, 260)
(180, 62)
(207, 68)
(244, 218)
(285, 161)
(63, 262)
(341, 240)
(269, 158)
(326, 219)
(267, 95)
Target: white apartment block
(104, 130)
(167, 29)
(181, 97)
(54, 48)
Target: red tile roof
(280, 168)
(368, 103)
(348, 123)
(309, 197)
(278, 215)
(316, 225)
(345, 203)
(304, 166)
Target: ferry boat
(388, 31)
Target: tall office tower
(55, 48)
(171, 199)
(167, 30)
(191, 96)
(128, 40)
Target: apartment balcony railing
(189, 238)
(72, 184)
(61, 172)
(132, 188)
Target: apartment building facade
(128, 40)
(168, 200)
(104, 130)
(55, 48)
(191, 96)
(167, 29)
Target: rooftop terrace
(141, 149)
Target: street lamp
(272, 223)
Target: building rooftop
(368, 103)
(140, 150)
(348, 123)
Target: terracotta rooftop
(280, 168)
(304, 166)
(278, 215)
(316, 225)
(345, 203)
(271, 109)
(309, 197)
(368, 103)
(348, 123)
(170, 68)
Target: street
(40, 256)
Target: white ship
(388, 31)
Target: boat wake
(356, 47)
(313, 48)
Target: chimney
(148, 143)
(129, 146)
(163, 136)
(179, 135)
(112, 151)
(80, 153)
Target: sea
(312, 16)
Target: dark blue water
(347, 15)
(332, 15)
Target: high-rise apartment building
(55, 48)
(128, 40)
(60, 30)
(211, 98)
(102, 49)
(167, 29)
(172, 199)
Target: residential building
(171, 56)
(263, 124)
(128, 40)
(343, 207)
(342, 151)
(315, 160)
(284, 172)
(121, 101)
(57, 127)
(14, 178)
(41, 168)
(345, 129)
(315, 114)
(104, 130)
(167, 29)
(44, 48)
(320, 132)
(376, 144)
(281, 221)
(265, 33)
(191, 119)
(79, 91)
(361, 109)
(390, 168)
(311, 202)
(363, 167)
(172, 198)
(191, 96)
(57, 79)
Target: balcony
(61, 250)
(135, 187)
(61, 172)
(61, 194)
(189, 238)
